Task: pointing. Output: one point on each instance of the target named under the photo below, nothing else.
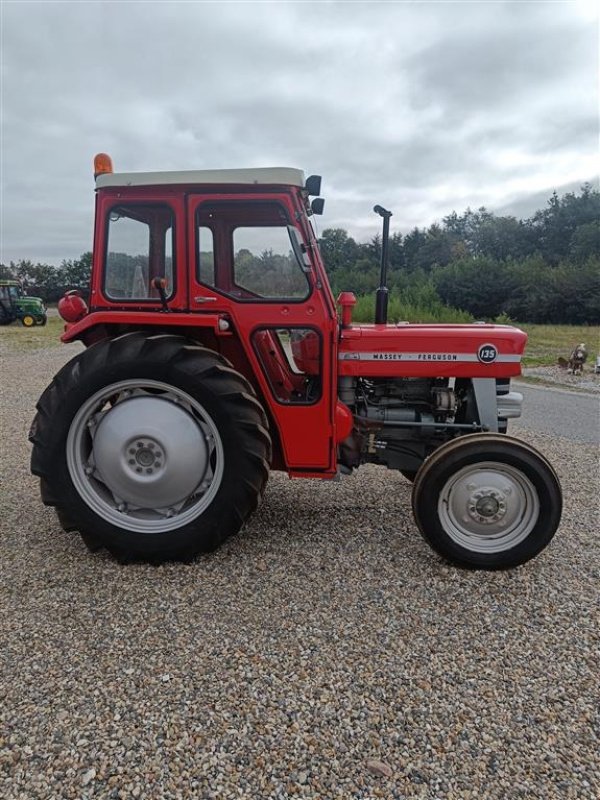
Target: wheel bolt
(131, 452)
(149, 471)
(88, 470)
(131, 461)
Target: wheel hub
(487, 505)
(144, 454)
(161, 464)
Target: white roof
(285, 176)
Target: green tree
(481, 286)
(585, 242)
(76, 273)
(337, 249)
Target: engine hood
(478, 350)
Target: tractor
(216, 352)
(16, 305)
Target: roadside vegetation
(542, 270)
(18, 339)
(547, 342)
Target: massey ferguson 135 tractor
(215, 352)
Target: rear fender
(103, 324)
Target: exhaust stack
(381, 300)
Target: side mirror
(313, 185)
(317, 205)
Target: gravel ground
(588, 381)
(324, 636)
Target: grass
(547, 342)
(19, 339)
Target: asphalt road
(556, 411)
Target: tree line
(543, 269)
(47, 281)
(477, 264)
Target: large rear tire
(151, 447)
(487, 501)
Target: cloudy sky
(424, 107)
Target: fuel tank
(435, 351)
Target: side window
(139, 248)
(265, 263)
(206, 256)
(291, 361)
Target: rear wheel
(28, 320)
(487, 501)
(151, 447)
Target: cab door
(247, 260)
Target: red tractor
(215, 352)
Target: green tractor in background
(15, 304)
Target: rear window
(139, 248)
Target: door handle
(202, 299)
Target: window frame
(310, 284)
(299, 327)
(142, 300)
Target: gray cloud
(424, 107)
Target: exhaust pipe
(381, 299)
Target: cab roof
(284, 176)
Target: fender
(218, 323)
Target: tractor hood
(29, 302)
(406, 350)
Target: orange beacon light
(102, 164)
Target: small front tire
(487, 501)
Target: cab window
(139, 248)
(249, 251)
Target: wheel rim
(145, 456)
(28, 321)
(489, 507)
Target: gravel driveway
(325, 635)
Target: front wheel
(487, 501)
(151, 447)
